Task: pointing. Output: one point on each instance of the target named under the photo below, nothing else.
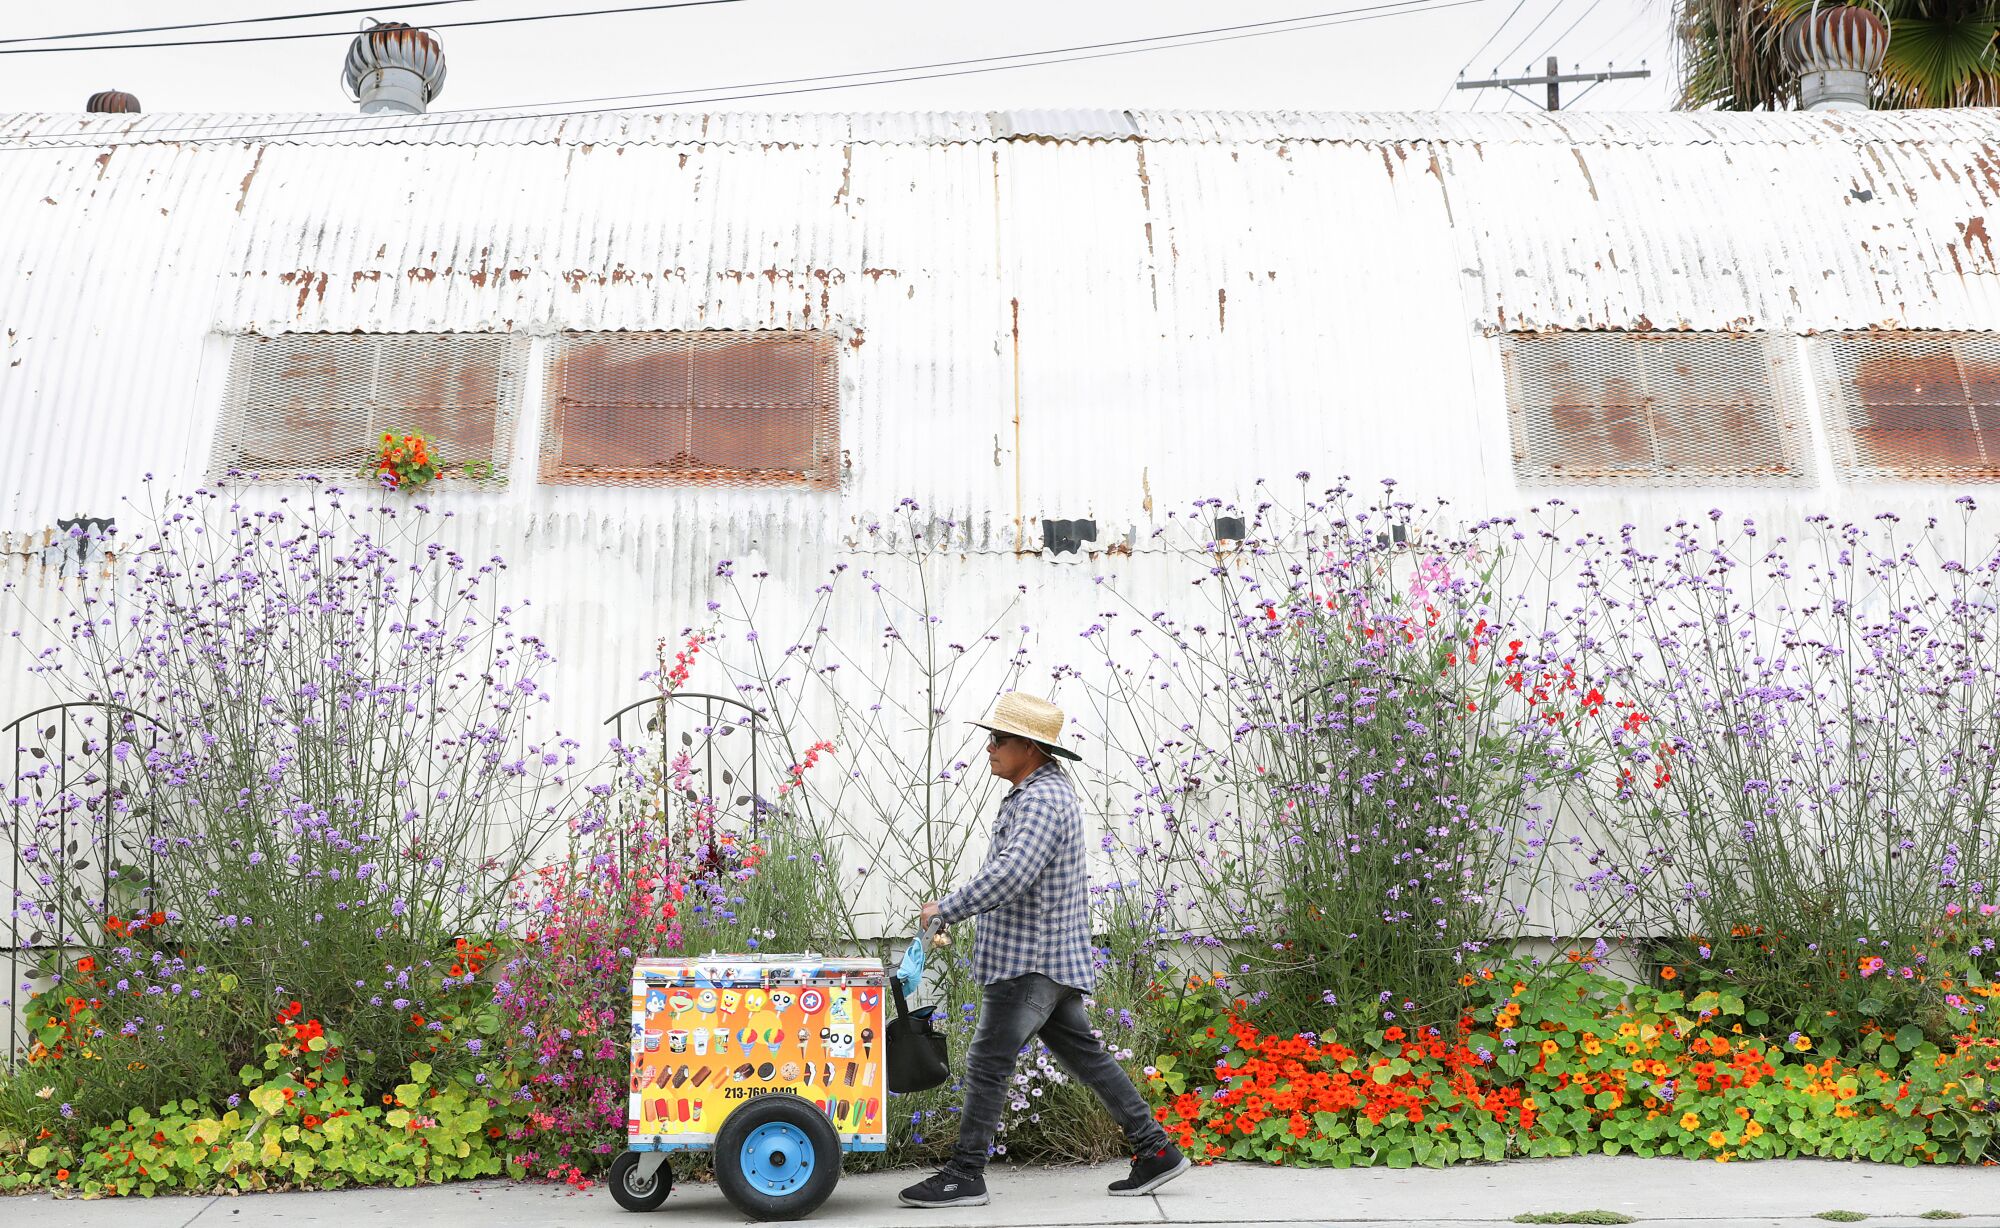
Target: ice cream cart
(775, 1064)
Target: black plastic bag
(914, 1047)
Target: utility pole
(1555, 79)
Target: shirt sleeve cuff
(947, 912)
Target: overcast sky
(1407, 60)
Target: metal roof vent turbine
(394, 69)
(1837, 53)
(112, 102)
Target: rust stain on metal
(420, 273)
(1974, 231)
(1585, 168)
(845, 192)
(878, 274)
(243, 193)
(311, 284)
(860, 336)
(361, 275)
(1386, 164)
(1221, 310)
(684, 163)
(1145, 178)
(1146, 488)
(48, 200)
(1914, 415)
(1437, 169)
(103, 162)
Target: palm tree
(1941, 53)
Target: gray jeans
(1015, 1012)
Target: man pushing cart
(780, 1064)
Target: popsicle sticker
(868, 1042)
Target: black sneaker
(1151, 1172)
(946, 1189)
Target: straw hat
(1025, 716)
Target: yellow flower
(1549, 1048)
(1754, 1129)
(1803, 1043)
(1689, 1121)
(1592, 1047)
(1717, 1138)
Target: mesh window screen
(303, 404)
(723, 408)
(1656, 409)
(1912, 405)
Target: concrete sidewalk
(1783, 1193)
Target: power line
(283, 38)
(1572, 25)
(1531, 31)
(762, 89)
(1623, 30)
(1483, 46)
(233, 21)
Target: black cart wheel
(777, 1158)
(636, 1193)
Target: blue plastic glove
(911, 973)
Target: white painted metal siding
(1035, 325)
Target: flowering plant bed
(1577, 1063)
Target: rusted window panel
(1658, 409)
(718, 408)
(316, 404)
(1912, 405)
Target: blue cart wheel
(777, 1158)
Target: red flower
(86, 964)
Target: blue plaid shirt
(1032, 897)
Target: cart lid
(721, 968)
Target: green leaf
(420, 1072)
(1909, 1036)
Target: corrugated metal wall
(1034, 326)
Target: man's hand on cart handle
(930, 923)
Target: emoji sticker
(812, 1002)
(753, 1001)
(730, 1000)
(706, 1001)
